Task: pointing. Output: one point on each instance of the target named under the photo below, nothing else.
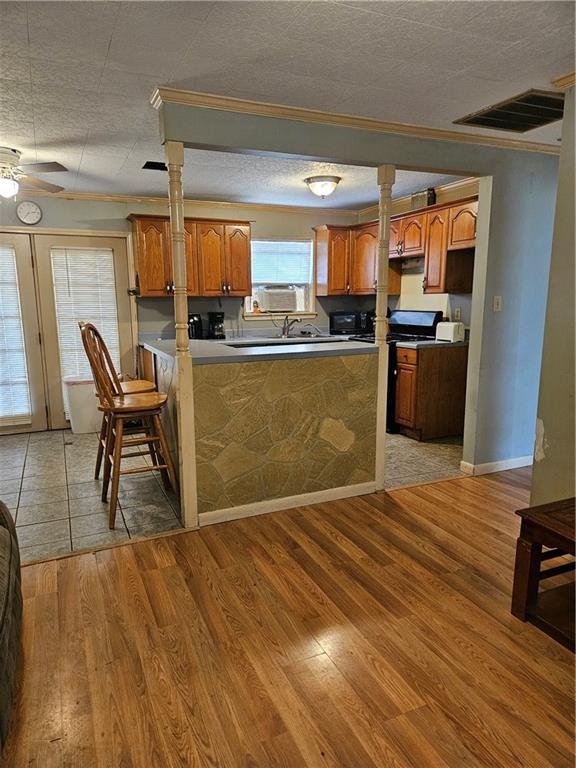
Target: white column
(174, 152)
(175, 160)
(386, 176)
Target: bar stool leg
(151, 445)
(165, 451)
(117, 456)
(101, 441)
(108, 451)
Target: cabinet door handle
(167, 288)
(228, 288)
(375, 284)
(424, 283)
(223, 287)
(348, 288)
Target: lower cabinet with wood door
(430, 396)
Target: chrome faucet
(287, 325)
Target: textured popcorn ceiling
(75, 78)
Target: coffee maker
(216, 325)
(194, 326)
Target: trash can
(82, 405)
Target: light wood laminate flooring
(372, 632)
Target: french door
(48, 283)
(22, 399)
(80, 278)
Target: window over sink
(282, 278)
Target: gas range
(394, 338)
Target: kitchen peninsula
(274, 420)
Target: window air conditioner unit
(278, 298)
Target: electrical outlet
(497, 304)
(457, 313)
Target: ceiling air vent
(531, 109)
(152, 165)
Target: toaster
(450, 332)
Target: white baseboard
(286, 502)
(495, 466)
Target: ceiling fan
(14, 176)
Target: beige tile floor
(409, 462)
(47, 482)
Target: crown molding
(164, 95)
(465, 187)
(566, 81)
(139, 199)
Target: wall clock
(28, 212)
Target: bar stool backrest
(106, 379)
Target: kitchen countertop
(431, 343)
(212, 352)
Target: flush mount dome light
(322, 185)
(8, 186)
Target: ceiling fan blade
(43, 167)
(29, 182)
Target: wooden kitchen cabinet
(363, 253)
(332, 251)
(405, 411)
(462, 226)
(237, 266)
(445, 271)
(211, 265)
(430, 391)
(394, 241)
(346, 259)
(153, 261)
(217, 257)
(191, 249)
(413, 235)
(436, 250)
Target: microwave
(351, 323)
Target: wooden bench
(550, 526)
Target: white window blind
(281, 262)
(14, 388)
(84, 289)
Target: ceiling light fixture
(8, 186)
(322, 186)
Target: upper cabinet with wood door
(332, 251)
(153, 261)
(237, 260)
(211, 266)
(435, 255)
(462, 231)
(346, 259)
(394, 242)
(217, 257)
(413, 235)
(363, 253)
(447, 270)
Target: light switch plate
(497, 304)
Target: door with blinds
(22, 402)
(81, 278)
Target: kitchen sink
(284, 342)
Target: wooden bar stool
(118, 408)
(129, 387)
